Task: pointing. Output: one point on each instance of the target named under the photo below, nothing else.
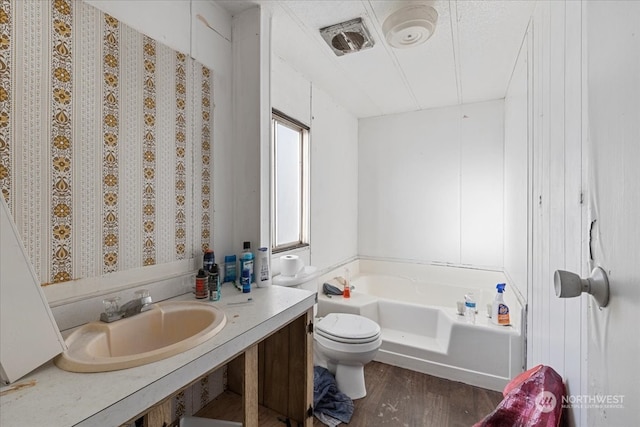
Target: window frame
(278, 117)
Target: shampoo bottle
(261, 268)
(500, 312)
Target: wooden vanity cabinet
(276, 373)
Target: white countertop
(61, 398)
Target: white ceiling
(469, 58)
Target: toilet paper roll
(290, 265)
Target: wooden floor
(395, 397)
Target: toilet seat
(348, 328)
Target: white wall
(613, 92)
(556, 328)
(516, 174)
(251, 95)
(585, 116)
(431, 185)
(334, 182)
(290, 91)
(166, 22)
(291, 95)
(334, 165)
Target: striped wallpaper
(105, 141)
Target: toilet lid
(348, 328)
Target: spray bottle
(500, 312)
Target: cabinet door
(28, 332)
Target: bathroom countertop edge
(55, 397)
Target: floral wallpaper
(105, 141)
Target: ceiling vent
(410, 26)
(347, 37)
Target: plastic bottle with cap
(214, 283)
(246, 260)
(209, 260)
(201, 284)
(500, 312)
(470, 308)
(346, 292)
(261, 268)
(245, 281)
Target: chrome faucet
(113, 312)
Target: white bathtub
(415, 306)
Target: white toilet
(344, 343)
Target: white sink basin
(167, 329)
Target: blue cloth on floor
(327, 399)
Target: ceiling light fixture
(410, 26)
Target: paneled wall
(106, 142)
(517, 173)
(612, 67)
(334, 165)
(430, 185)
(334, 182)
(556, 328)
(583, 85)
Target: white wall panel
(516, 173)
(291, 92)
(333, 164)
(247, 219)
(557, 329)
(409, 186)
(575, 356)
(613, 90)
(169, 22)
(481, 189)
(412, 171)
(334, 182)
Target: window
(289, 183)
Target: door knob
(570, 285)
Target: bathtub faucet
(141, 303)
